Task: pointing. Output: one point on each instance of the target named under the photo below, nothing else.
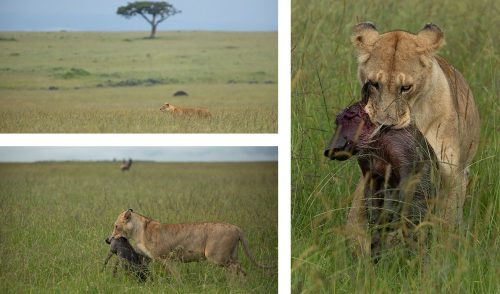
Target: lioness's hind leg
(217, 251)
(234, 253)
(235, 268)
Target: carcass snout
(340, 148)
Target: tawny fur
(213, 241)
(176, 110)
(438, 100)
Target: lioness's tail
(248, 253)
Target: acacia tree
(158, 12)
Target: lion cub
(185, 111)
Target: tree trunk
(153, 31)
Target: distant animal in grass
(180, 93)
(180, 111)
(131, 261)
(126, 165)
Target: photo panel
(394, 146)
(139, 67)
(192, 219)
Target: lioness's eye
(405, 88)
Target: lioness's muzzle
(393, 116)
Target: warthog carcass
(130, 260)
(399, 169)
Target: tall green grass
(324, 81)
(79, 82)
(57, 215)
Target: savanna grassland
(96, 82)
(324, 81)
(57, 215)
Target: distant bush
(75, 73)
(11, 39)
(145, 82)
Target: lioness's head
(166, 107)
(123, 225)
(399, 66)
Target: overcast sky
(100, 15)
(171, 154)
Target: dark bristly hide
(130, 260)
(399, 167)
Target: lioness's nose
(386, 121)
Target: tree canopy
(157, 12)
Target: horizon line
(125, 31)
(140, 160)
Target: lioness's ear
(430, 38)
(128, 213)
(364, 35)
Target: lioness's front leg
(451, 196)
(454, 185)
(356, 226)
(165, 262)
(177, 253)
(115, 268)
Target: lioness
(413, 84)
(216, 242)
(185, 111)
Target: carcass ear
(364, 35)
(430, 38)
